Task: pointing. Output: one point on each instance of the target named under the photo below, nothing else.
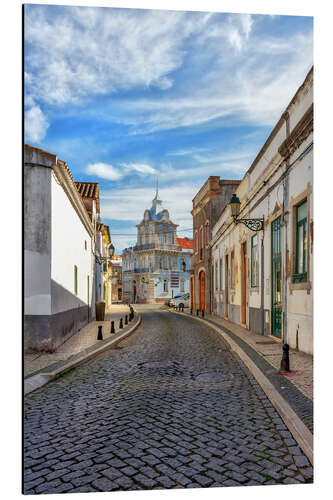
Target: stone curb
(297, 428)
(42, 378)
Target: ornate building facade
(157, 267)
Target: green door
(276, 278)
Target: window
(254, 261)
(85, 244)
(165, 285)
(182, 286)
(200, 242)
(196, 241)
(183, 265)
(206, 233)
(232, 270)
(75, 280)
(300, 275)
(221, 282)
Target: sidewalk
(78, 342)
(271, 351)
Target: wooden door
(244, 283)
(276, 330)
(226, 301)
(202, 291)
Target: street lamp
(253, 224)
(110, 253)
(111, 250)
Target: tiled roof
(185, 243)
(89, 190)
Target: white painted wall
(68, 249)
(37, 239)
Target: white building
(263, 280)
(59, 260)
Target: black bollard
(112, 327)
(100, 334)
(285, 359)
(191, 311)
(129, 317)
(126, 320)
(182, 307)
(121, 323)
(203, 313)
(197, 312)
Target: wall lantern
(111, 250)
(253, 224)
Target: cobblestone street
(170, 407)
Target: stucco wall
(68, 249)
(37, 240)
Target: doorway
(276, 330)
(244, 284)
(202, 291)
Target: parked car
(168, 302)
(183, 300)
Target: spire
(157, 198)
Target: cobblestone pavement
(173, 408)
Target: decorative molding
(298, 135)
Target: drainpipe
(262, 286)
(286, 226)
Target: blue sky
(125, 95)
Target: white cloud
(36, 125)
(104, 171)
(139, 167)
(77, 51)
(115, 173)
(255, 89)
(209, 66)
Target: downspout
(285, 263)
(285, 223)
(262, 286)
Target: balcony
(157, 246)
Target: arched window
(201, 242)
(206, 233)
